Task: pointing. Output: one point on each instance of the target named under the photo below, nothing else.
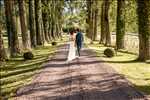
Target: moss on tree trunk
(105, 32)
(106, 21)
(24, 28)
(45, 19)
(120, 26)
(32, 23)
(8, 20)
(143, 10)
(3, 55)
(38, 20)
(95, 13)
(89, 18)
(14, 41)
(103, 35)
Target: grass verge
(138, 73)
(18, 72)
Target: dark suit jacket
(79, 39)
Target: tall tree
(3, 55)
(88, 20)
(95, 15)
(91, 21)
(14, 41)
(24, 28)
(58, 18)
(53, 20)
(38, 20)
(49, 19)
(45, 16)
(95, 24)
(103, 35)
(106, 19)
(120, 26)
(105, 32)
(43, 34)
(8, 21)
(32, 23)
(143, 11)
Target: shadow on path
(85, 78)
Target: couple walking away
(76, 42)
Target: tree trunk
(45, 20)
(143, 11)
(24, 28)
(120, 26)
(50, 30)
(103, 35)
(45, 25)
(3, 55)
(49, 20)
(8, 20)
(57, 29)
(59, 17)
(95, 24)
(92, 26)
(88, 20)
(43, 34)
(38, 19)
(92, 22)
(95, 12)
(18, 22)
(14, 41)
(53, 28)
(106, 20)
(32, 23)
(105, 32)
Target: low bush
(28, 55)
(54, 43)
(109, 52)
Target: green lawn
(17, 72)
(137, 73)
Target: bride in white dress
(72, 49)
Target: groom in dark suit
(79, 41)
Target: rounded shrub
(54, 43)
(109, 52)
(28, 55)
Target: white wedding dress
(72, 51)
